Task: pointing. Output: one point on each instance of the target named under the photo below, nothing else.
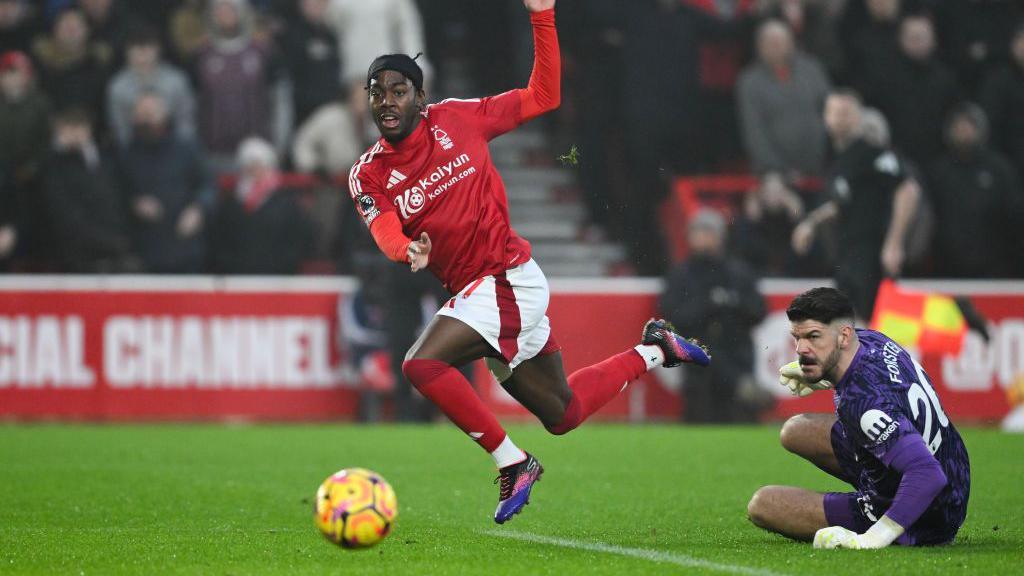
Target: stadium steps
(533, 211)
(545, 207)
(562, 252)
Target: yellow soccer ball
(355, 508)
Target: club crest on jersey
(368, 208)
(442, 138)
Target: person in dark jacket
(715, 296)
(1002, 96)
(872, 197)
(978, 201)
(10, 221)
(25, 126)
(168, 189)
(261, 228)
(73, 67)
(19, 24)
(914, 91)
(310, 50)
(89, 234)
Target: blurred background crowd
(186, 136)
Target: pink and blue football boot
(678, 350)
(516, 482)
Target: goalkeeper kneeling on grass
(889, 438)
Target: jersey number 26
(921, 394)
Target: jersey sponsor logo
(395, 178)
(877, 425)
(410, 202)
(435, 183)
(442, 138)
(368, 208)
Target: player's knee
(758, 509)
(421, 371)
(562, 421)
(791, 433)
(557, 427)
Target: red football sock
(594, 386)
(449, 390)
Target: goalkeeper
(889, 438)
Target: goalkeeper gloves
(880, 535)
(792, 377)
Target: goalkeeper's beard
(828, 367)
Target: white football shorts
(510, 311)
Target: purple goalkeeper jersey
(884, 396)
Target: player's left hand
(419, 253)
(792, 377)
(538, 5)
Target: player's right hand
(419, 252)
(538, 5)
(792, 377)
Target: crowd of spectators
(738, 86)
(128, 125)
(163, 136)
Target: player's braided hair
(820, 304)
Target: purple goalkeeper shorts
(856, 511)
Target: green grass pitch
(235, 500)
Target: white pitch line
(641, 553)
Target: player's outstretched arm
(544, 92)
(386, 230)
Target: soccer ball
(355, 508)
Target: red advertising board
(140, 348)
(148, 348)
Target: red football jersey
(440, 180)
